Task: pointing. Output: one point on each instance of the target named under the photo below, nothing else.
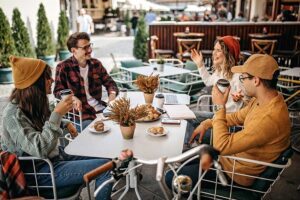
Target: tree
(21, 36)
(140, 49)
(45, 46)
(7, 45)
(62, 31)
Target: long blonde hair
(229, 61)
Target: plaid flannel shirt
(68, 76)
(12, 179)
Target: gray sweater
(20, 137)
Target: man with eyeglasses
(85, 76)
(265, 119)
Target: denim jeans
(69, 170)
(193, 123)
(85, 123)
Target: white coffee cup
(64, 93)
(160, 99)
(223, 84)
(123, 93)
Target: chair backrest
(186, 45)
(30, 165)
(263, 46)
(262, 184)
(131, 64)
(153, 45)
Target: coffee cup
(123, 93)
(223, 84)
(160, 98)
(64, 93)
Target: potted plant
(62, 36)
(161, 63)
(7, 48)
(140, 48)
(21, 36)
(127, 23)
(148, 85)
(45, 49)
(126, 116)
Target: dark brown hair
(33, 100)
(271, 84)
(73, 39)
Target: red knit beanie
(233, 45)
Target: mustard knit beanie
(26, 71)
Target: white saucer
(158, 135)
(92, 129)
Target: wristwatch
(217, 107)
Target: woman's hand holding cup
(64, 105)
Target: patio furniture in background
(188, 35)
(188, 83)
(289, 58)
(263, 46)
(156, 52)
(185, 46)
(173, 61)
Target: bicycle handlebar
(99, 170)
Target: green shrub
(62, 31)
(140, 49)
(7, 45)
(21, 36)
(45, 46)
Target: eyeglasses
(241, 78)
(87, 47)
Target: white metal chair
(262, 184)
(49, 191)
(75, 117)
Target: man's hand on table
(200, 130)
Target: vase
(127, 131)
(64, 54)
(6, 75)
(148, 98)
(161, 67)
(48, 59)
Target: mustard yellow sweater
(265, 135)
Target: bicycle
(183, 183)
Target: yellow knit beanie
(26, 71)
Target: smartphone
(170, 121)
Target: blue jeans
(193, 123)
(85, 123)
(69, 171)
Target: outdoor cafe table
(148, 70)
(264, 36)
(293, 72)
(189, 35)
(143, 145)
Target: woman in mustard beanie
(30, 129)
